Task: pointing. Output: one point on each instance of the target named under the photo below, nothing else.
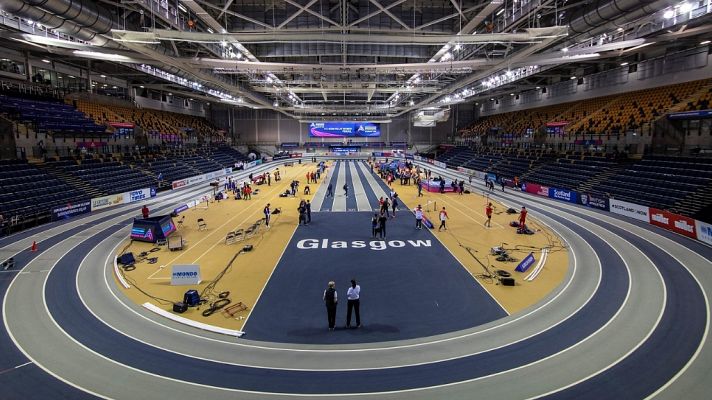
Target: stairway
(70, 180)
(693, 203)
(582, 123)
(682, 105)
(588, 185)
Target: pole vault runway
(630, 321)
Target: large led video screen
(344, 129)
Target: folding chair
(239, 235)
(230, 238)
(180, 221)
(202, 225)
(251, 231)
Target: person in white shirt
(353, 295)
(418, 217)
(443, 217)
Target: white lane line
(610, 219)
(259, 296)
(320, 194)
(563, 290)
(375, 186)
(339, 198)
(362, 203)
(15, 367)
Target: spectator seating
(29, 192)
(602, 115)
(48, 117)
(151, 121)
(569, 172)
(659, 181)
(109, 176)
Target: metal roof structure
(355, 59)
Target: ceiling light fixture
(685, 7)
(573, 77)
(705, 42)
(668, 14)
(500, 12)
(46, 61)
(623, 64)
(103, 76)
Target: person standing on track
(382, 225)
(374, 225)
(331, 300)
(488, 212)
(307, 205)
(394, 205)
(144, 211)
(523, 217)
(418, 217)
(267, 213)
(330, 191)
(346, 190)
(443, 218)
(353, 296)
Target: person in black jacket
(330, 300)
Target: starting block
(230, 311)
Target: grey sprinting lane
(370, 178)
(362, 203)
(320, 194)
(339, 198)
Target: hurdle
(202, 203)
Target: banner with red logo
(537, 189)
(676, 223)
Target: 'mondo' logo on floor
(308, 244)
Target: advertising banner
(594, 201)
(492, 177)
(195, 179)
(344, 129)
(704, 232)
(295, 155)
(527, 262)
(440, 164)
(417, 158)
(185, 274)
(673, 222)
(99, 203)
(180, 208)
(537, 189)
(137, 195)
(71, 209)
(565, 195)
(629, 209)
(180, 183)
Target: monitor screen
(344, 129)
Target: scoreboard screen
(344, 129)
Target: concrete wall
(267, 126)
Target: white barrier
(190, 322)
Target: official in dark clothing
(382, 219)
(353, 296)
(308, 209)
(330, 300)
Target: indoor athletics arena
(355, 199)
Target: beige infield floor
(250, 271)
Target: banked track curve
(630, 321)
